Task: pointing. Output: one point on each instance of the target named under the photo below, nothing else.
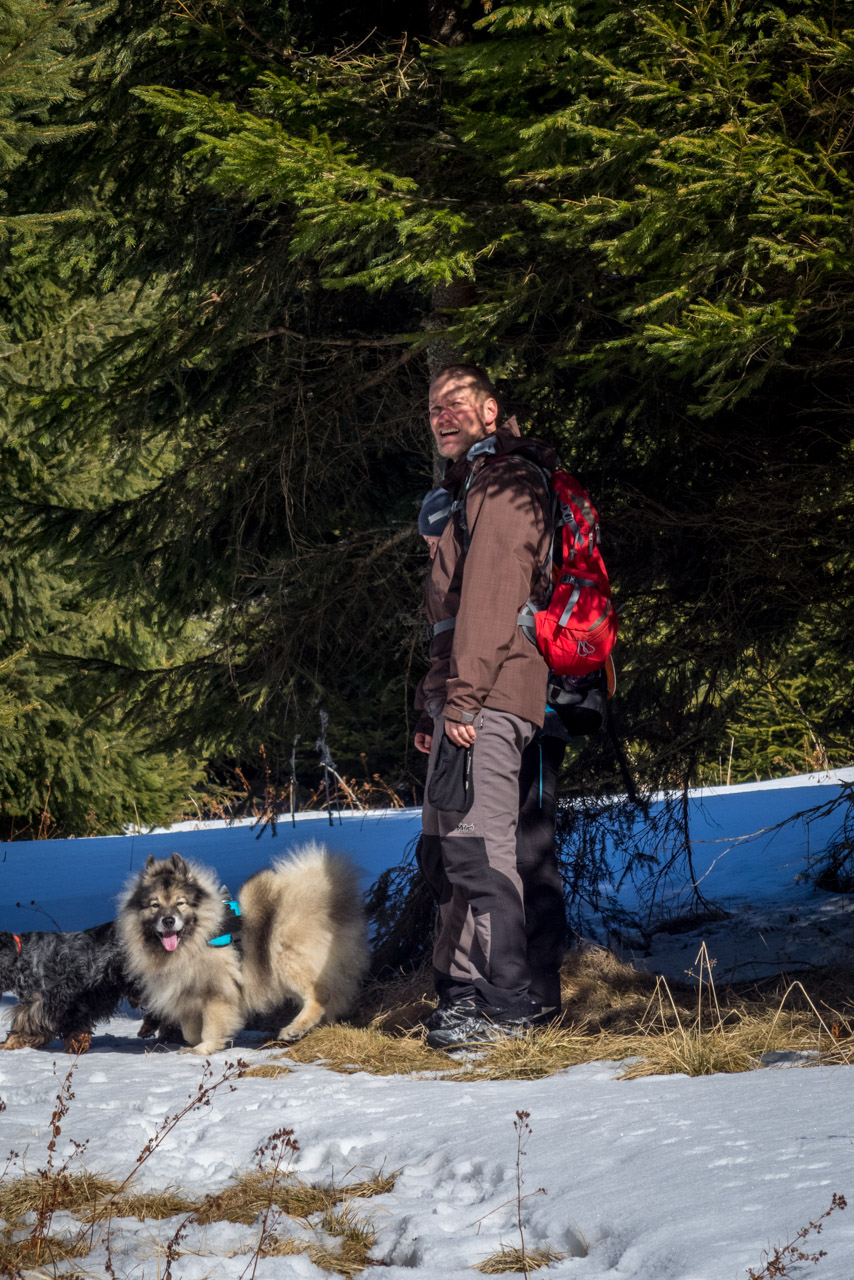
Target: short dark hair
(474, 373)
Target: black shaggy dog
(65, 983)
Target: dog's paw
(78, 1042)
(292, 1033)
(17, 1040)
(202, 1050)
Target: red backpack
(576, 629)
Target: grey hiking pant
(469, 862)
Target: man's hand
(423, 742)
(462, 735)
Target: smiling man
(463, 409)
(485, 691)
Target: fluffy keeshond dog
(300, 936)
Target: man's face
(460, 415)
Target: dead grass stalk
(512, 1258)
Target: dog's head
(171, 903)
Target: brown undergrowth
(345, 1235)
(613, 1011)
(245, 1197)
(59, 1212)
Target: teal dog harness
(233, 919)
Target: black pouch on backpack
(451, 786)
(579, 701)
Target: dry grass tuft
(379, 1185)
(689, 1053)
(77, 1193)
(286, 1248)
(605, 994)
(543, 1052)
(268, 1070)
(141, 1205)
(731, 1032)
(357, 1236)
(88, 1196)
(704, 1044)
(349, 1049)
(511, 1258)
(22, 1257)
(346, 1263)
(251, 1193)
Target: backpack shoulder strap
(458, 508)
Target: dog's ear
(149, 862)
(178, 863)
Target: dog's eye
(154, 904)
(180, 902)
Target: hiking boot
(547, 1013)
(450, 1014)
(478, 1029)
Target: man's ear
(489, 409)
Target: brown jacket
(485, 659)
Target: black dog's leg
(29, 1027)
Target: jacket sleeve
(507, 527)
(424, 723)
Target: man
(485, 691)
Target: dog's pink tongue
(169, 940)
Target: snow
(662, 1178)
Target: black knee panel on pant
(428, 855)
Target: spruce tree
(71, 760)
(653, 210)
(244, 429)
(650, 208)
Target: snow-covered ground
(663, 1178)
